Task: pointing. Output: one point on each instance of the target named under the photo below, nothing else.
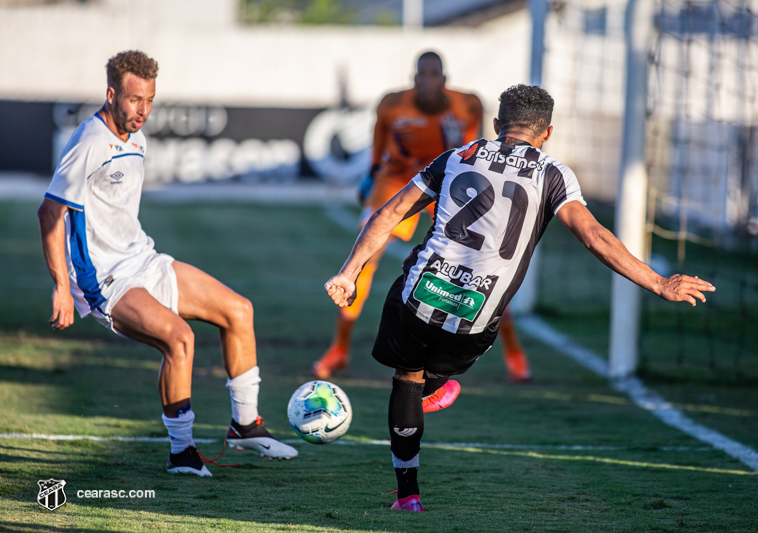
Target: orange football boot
(335, 358)
(443, 397)
(518, 367)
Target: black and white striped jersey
(494, 201)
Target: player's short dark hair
(130, 61)
(525, 107)
(429, 54)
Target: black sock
(407, 482)
(432, 385)
(406, 425)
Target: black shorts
(406, 342)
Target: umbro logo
(117, 176)
(405, 432)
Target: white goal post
(631, 204)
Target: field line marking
(370, 442)
(607, 460)
(41, 436)
(632, 387)
(518, 450)
(637, 392)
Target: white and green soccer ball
(319, 412)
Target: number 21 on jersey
(475, 195)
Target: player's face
(429, 79)
(132, 103)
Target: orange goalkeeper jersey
(406, 139)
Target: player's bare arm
(381, 128)
(612, 253)
(53, 232)
(406, 203)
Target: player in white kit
(494, 201)
(104, 265)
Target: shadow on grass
(25, 527)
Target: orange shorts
(383, 190)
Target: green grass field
(564, 453)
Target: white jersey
(100, 179)
(494, 201)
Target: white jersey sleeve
(80, 160)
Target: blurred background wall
(259, 102)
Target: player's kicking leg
(202, 297)
(406, 425)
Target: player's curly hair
(525, 107)
(134, 61)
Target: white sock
(244, 392)
(180, 431)
(399, 463)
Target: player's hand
(341, 290)
(364, 188)
(681, 288)
(63, 309)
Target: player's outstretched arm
(612, 252)
(406, 203)
(53, 231)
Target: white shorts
(156, 276)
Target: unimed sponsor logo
(447, 297)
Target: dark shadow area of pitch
(26, 527)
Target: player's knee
(239, 313)
(180, 340)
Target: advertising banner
(199, 143)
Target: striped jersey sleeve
(430, 179)
(561, 186)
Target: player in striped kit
(104, 265)
(412, 128)
(494, 201)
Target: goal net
(702, 162)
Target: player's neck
(519, 139)
(432, 105)
(107, 117)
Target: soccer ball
(319, 412)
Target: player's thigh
(401, 339)
(203, 297)
(454, 353)
(141, 317)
